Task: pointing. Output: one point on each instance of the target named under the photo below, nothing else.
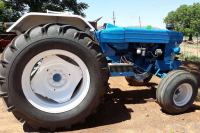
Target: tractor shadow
(112, 110)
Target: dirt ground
(127, 109)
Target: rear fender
(34, 19)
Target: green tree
(1, 10)
(186, 19)
(11, 10)
(22, 6)
(1, 16)
(6, 15)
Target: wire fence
(190, 50)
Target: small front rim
(182, 94)
(48, 105)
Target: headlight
(177, 50)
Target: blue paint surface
(116, 40)
(177, 50)
(122, 74)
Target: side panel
(167, 65)
(113, 34)
(140, 35)
(176, 39)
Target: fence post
(184, 48)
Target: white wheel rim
(45, 104)
(182, 94)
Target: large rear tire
(68, 45)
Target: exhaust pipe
(8, 24)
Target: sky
(127, 12)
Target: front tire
(56, 39)
(177, 91)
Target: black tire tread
(29, 36)
(164, 85)
(163, 81)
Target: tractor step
(121, 69)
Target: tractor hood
(115, 34)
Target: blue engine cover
(115, 34)
(120, 38)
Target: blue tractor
(55, 72)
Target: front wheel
(53, 76)
(177, 91)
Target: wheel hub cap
(182, 94)
(55, 79)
